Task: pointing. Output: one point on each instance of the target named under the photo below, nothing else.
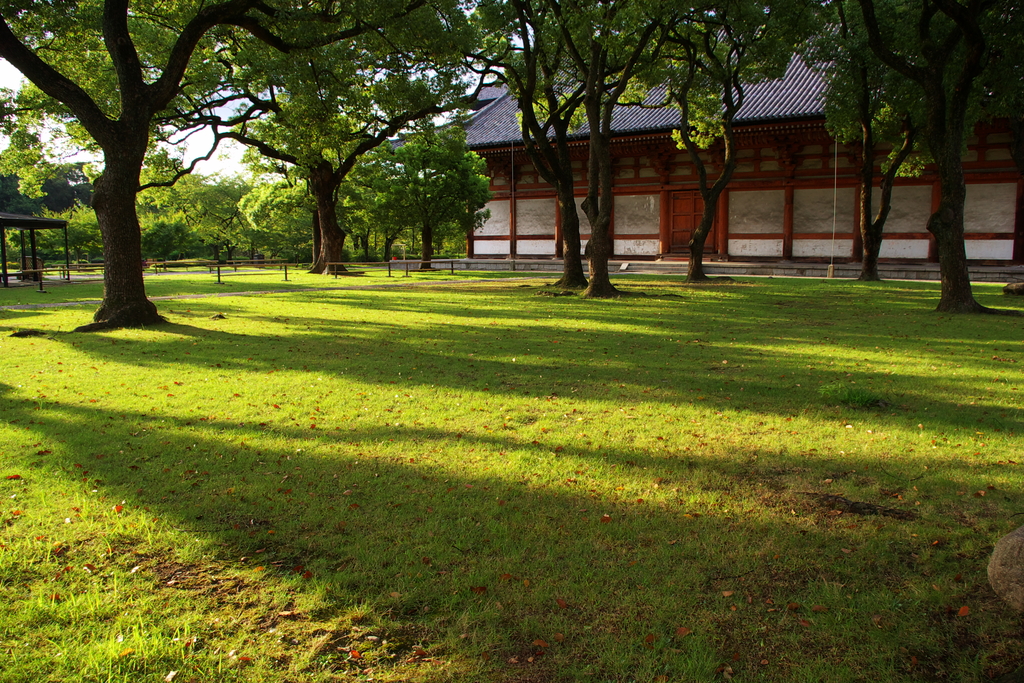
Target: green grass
(475, 483)
(851, 395)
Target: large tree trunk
(427, 253)
(323, 184)
(695, 268)
(947, 225)
(598, 204)
(316, 236)
(124, 293)
(870, 231)
(572, 250)
(946, 121)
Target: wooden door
(687, 209)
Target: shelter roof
(797, 94)
(21, 222)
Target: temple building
(792, 198)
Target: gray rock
(1014, 288)
(1006, 569)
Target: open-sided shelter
(29, 225)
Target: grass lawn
(476, 483)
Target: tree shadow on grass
(660, 360)
(511, 542)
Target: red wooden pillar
(664, 222)
(787, 224)
(512, 214)
(558, 229)
(858, 239)
(1018, 224)
(611, 226)
(722, 226)
(933, 247)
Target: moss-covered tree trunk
(573, 276)
(124, 294)
(323, 185)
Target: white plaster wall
(755, 247)
(535, 247)
(497, 223)
(637, 214)
(990, 208)
(903, 248)
(813, 209)
(535, 216)
(759, 211)
(989, 249)
(911, 208)
(491, 247)
(584, 221)
(823, 248)
(637, 247)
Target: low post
(218, 275)
(39, 274)
(286, 272)
(452, 264)
(389, 268)
(407, 269)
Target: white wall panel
(903, 248)
(491, 247)
(535, 247)
(990, 208)
(637, 214)
(756, 212)
(637, 247)
(989, 249)
(843, 248)
(497, 223)
(740, 247)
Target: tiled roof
(798, 94)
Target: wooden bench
(337, 268)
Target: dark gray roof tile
(798, 94)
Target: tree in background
(944, 47)
(209, 207)
(277, 215)
(431, 183)
(112, 75)
(713, 53)
(524, 47)
(608, 43)
(328, 107)
(868, 106)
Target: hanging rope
(835, 208)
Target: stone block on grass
(1006, 569)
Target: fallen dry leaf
(963, 611)
(682, 632)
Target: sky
(226, 162)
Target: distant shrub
(851, 395)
